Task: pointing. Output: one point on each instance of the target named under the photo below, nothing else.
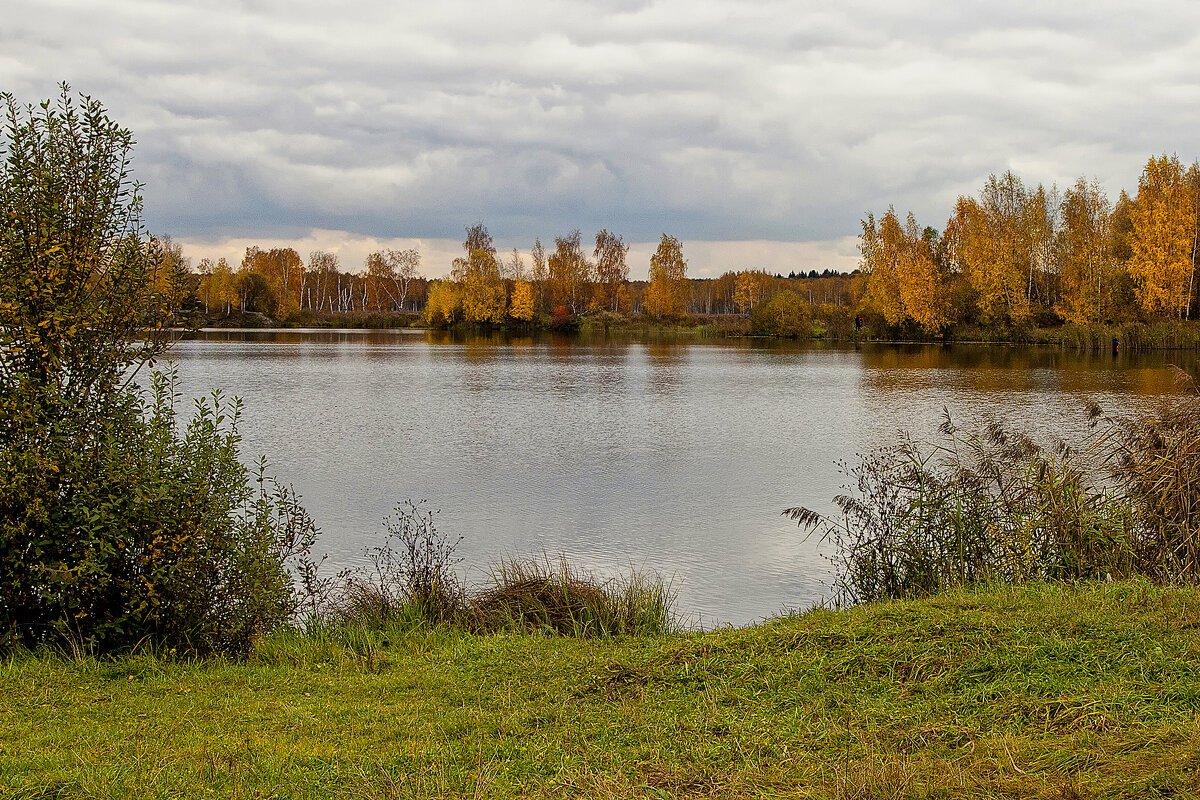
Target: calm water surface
(672, 457)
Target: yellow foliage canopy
(903, 279)
(1164, 218)
(666, 296)
(521, 308)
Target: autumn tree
(882, 246)
(205, 270)
(539, 275)
(569, 273)
(477, 273)
(254, 293)
(442, 303)
(521, 308)
(1087, 266)
(1163, 247)
(611, 271)
(218, 287)
(282, 270)
(666, 296)
(324, 281)
(749, 287)
(1042, 223)
(393, 271)
(904, 281)
(723, 292)
(924, 288)
(994, 247)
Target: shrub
(116, 528)
(785, 314)
(411, 573)
(136, 532)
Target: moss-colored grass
(1041, 691)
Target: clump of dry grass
(542, 596)
(411, 581)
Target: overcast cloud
(757, 131)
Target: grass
(1058, 691)
(544, 597)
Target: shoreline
(1166, 336)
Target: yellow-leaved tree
(283, 272)
(666, 296)
(748, 289)
(881, 246)
(1164, 219)
(923, 288)
(994, 247)
(903, 278)
(1087, 267)
(611, 271)
(481, 288)
(569, 273)
(521, 306)
(441, 303)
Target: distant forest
(1011, 255)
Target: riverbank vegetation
(163, 631)
(993, 505)
(410, 579)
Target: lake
(669, 456)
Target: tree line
(574, 278)
(1013, 254)
(1016, 254)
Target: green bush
(117, 527)
(785, 314)
(135, 532)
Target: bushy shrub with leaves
(116, 525)
(143, 532)
(785, 314)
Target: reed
(1154, 458)
(992, 505)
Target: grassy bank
(1044, 691)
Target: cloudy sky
(757, 131)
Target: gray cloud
(715, 120)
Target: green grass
(1038, 691)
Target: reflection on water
(656, 454)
